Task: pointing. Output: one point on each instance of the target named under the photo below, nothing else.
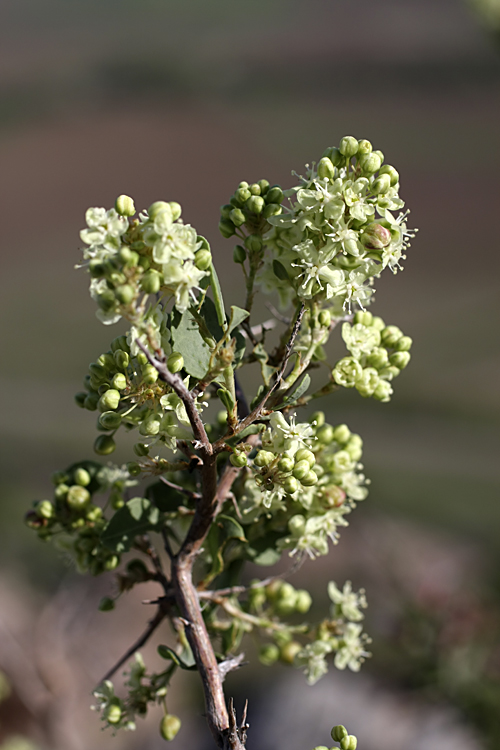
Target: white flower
(360, 339)
(288, 438)
(348, 602)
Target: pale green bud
(391, 335)
(157, 208)
(150, 426)
(320, 747)
(119, 381)
(378, 358)
(364, 147)
(226, 228)
(349, 743)
(255, 188)
(335, 156)
(122, 360)
(290, 485)
(324, 318)
(404, 344)
(253, 243)
(81, 476)
(303, 454)
(370, 163)
(301, 469)
(141, 449)
(264, 458)
(368, 382)
(296, 524)
(348, 146)
(289, 651)
(120, 342)
(125, 294)
(59, 477)
(364, 317)
(272, 209)
(61, 491)
(113, 714)
(274, 194)
(378, 323)
(325, 434)
(381, 185)
(346, 372)
(380, 154)
(109, 400)
(339, 732)
(128, 257)
(242, 195)
(112, 563)
(203, 259)
(341, 434)
(310, 479)
(149, 374)
(383, 391)
(400, 359)
(44, 509)
(80, 399)
(104, 445)
(124, 205)
(268, 654)
(133, 468)
(238, 459)
(317, 418)
(239, 254)
(151, 281)
(264, 186)
(226, 210)
(77, 497)
(286, 464)
(255, 204)
(237, 217)
(141, 358)
(393, 173)
(106, 300)
(110, 420)
(390, 372)
(176, 209)
(175, 362)
(326, 170)
(91, 401)
(169, 726)
(303, 601)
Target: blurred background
(180, 100)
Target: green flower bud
(226, 210)
(119, 381)
(286, 463)
(272, 209)
(364, 317)
(274, 194)
(133, 468)
(381, 185)
(110, 420)
(120, 342)
(125, 294)
(255, 188)
(113, 714)
(157, 208)
(380, 154)
(303, 601)
(310, 479)
(346, 372)
(144, 262)
(122, 360)
(141, 449)
(239, 254)
(112, 563)
(301, 469)
(237, 217)
(339, 732)
(268, 654)
(150, 426)
(383, 391)
(335, 156)
(109, 400)
(290, 485)
(242, 195)
(320, 747)
(44, 509)
(203, 259)
(77, 497)
(326, 170)
(378, 358)
(390, 372)
(348, 146)
(169, 726)
(324, 318)
(303, 454)
(378, 323)
(255, 204)
(81, 476)
(106, 300)
(400, 359)
(59, 477)
(349, 743)
(142, 359)
(97, 268)
(226, 228)
(375, 236)
(253, 243)
(325, 434)
(393, 173)
(128, 257)
(61, 491)
(317, 418)
(364, 147)
(404, 344)
(80, 399)
(391, 335)
(98, 372)
(367, 382)
(176, 209)
(91, 401)
(93, 513)
(104, 445)
(296, 524)
(238, 459)
(263, 458)
(341, 434)
(106, 604)
(332, 496)
(370, 163)
(151, 281)
(149, 374)
(116, 500)
(107, 361)
(289, 651)
(124, 206)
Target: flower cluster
(340, 232)
(304, 481)
(154, 254)
(379, 353)
(250, 206)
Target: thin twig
(178, 488)
(153, 624)
(166, 543)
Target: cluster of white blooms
(309, 476)
(379, 353)
(340, 232)
(155, 253)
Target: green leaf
(167, 653)
(135, 518)
(299, 391)
(262, 356)
(268, 557)
(165, 498)
(223, 529)
(280, 270)
(217, 292)
(238, 315)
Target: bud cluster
(155, 254)
(379, 353)
(250, 206)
